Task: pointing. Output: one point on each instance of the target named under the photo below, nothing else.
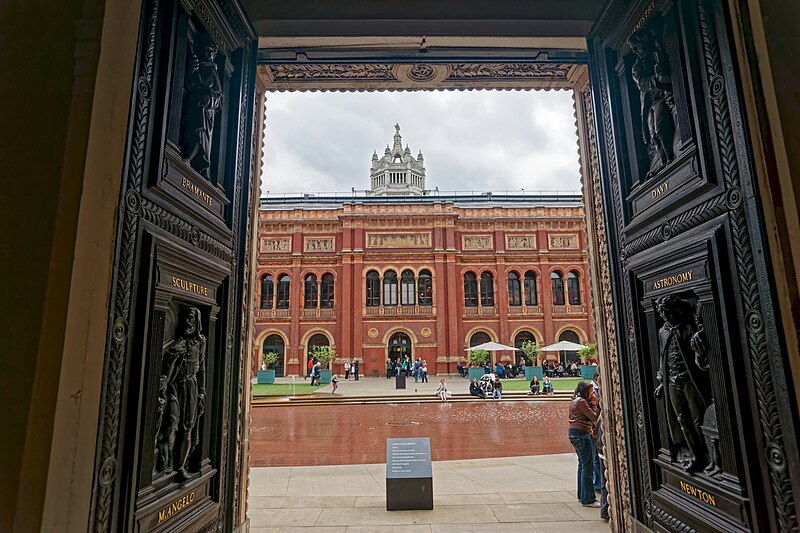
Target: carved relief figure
(682, 379)
(201, 102)
(651, 74)
(181, 395)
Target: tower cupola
(397, 173)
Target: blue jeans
(497, 394)
(597, 480)
(584, 447)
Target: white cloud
(472, 140)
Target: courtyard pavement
(525, 494)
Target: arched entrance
(274, 343)
(399, 347)
(316, 340)
(567, 357)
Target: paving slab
(524, 494)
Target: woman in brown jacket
(583, 412)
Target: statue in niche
(181, 400)
(202, 100)
(651, 74)
(682, 379)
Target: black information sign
(409, 476)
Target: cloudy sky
(471, 140)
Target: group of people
(351, 368)
(314, 370)
(504, 371)
(543, 387)
(418, 368)
(586, 436)
(489, 385)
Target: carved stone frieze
(563, 241)
(614, 430)
(276, 245)
(398, 240)
(321, 76)
(319, 244)
(520, 242)
(476, 242)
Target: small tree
(478, 357)
(324, 354)
(531, 351)
(269, 358)
(587, 352)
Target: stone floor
(526, 494)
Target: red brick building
(378, 276)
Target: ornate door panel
(166, 456)
(709, 425)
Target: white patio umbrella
(492, 347)
(565, 346)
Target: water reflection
(356, 434)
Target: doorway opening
(399, 348)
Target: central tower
(397, 173)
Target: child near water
(335, 383)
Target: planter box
(531, 371)
(588, 371)
(325, 376)
(475, 373)
(266, 377)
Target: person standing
(388, 367)
(309, 366)
(354, 368)
(335, 383)
(315, 372)
(347, 370)
(583, 414)
(416, 370)
(424, 371)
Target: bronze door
(710, 435)
(166, 456)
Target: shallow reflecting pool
(355, 434)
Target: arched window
(425, 287)
(479, 337)
(282, 296)
(470, 290)
(274, 343)
(531, 291)
(574, 287)
(390, 288)
(558, 287)
(318, 339)
(569, 356)
(407, 288)
(514, 293)
(326, 291)
(373, 289)
(310, 292)
(487, 289)
(267, 291)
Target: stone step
(328, 398)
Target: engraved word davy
(175, 506)
(188, 286)
(699, 494)
(658, 191)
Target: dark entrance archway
(399, 347)
(316, 340)
(567, 357)
(274, 343)
(521, 338)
